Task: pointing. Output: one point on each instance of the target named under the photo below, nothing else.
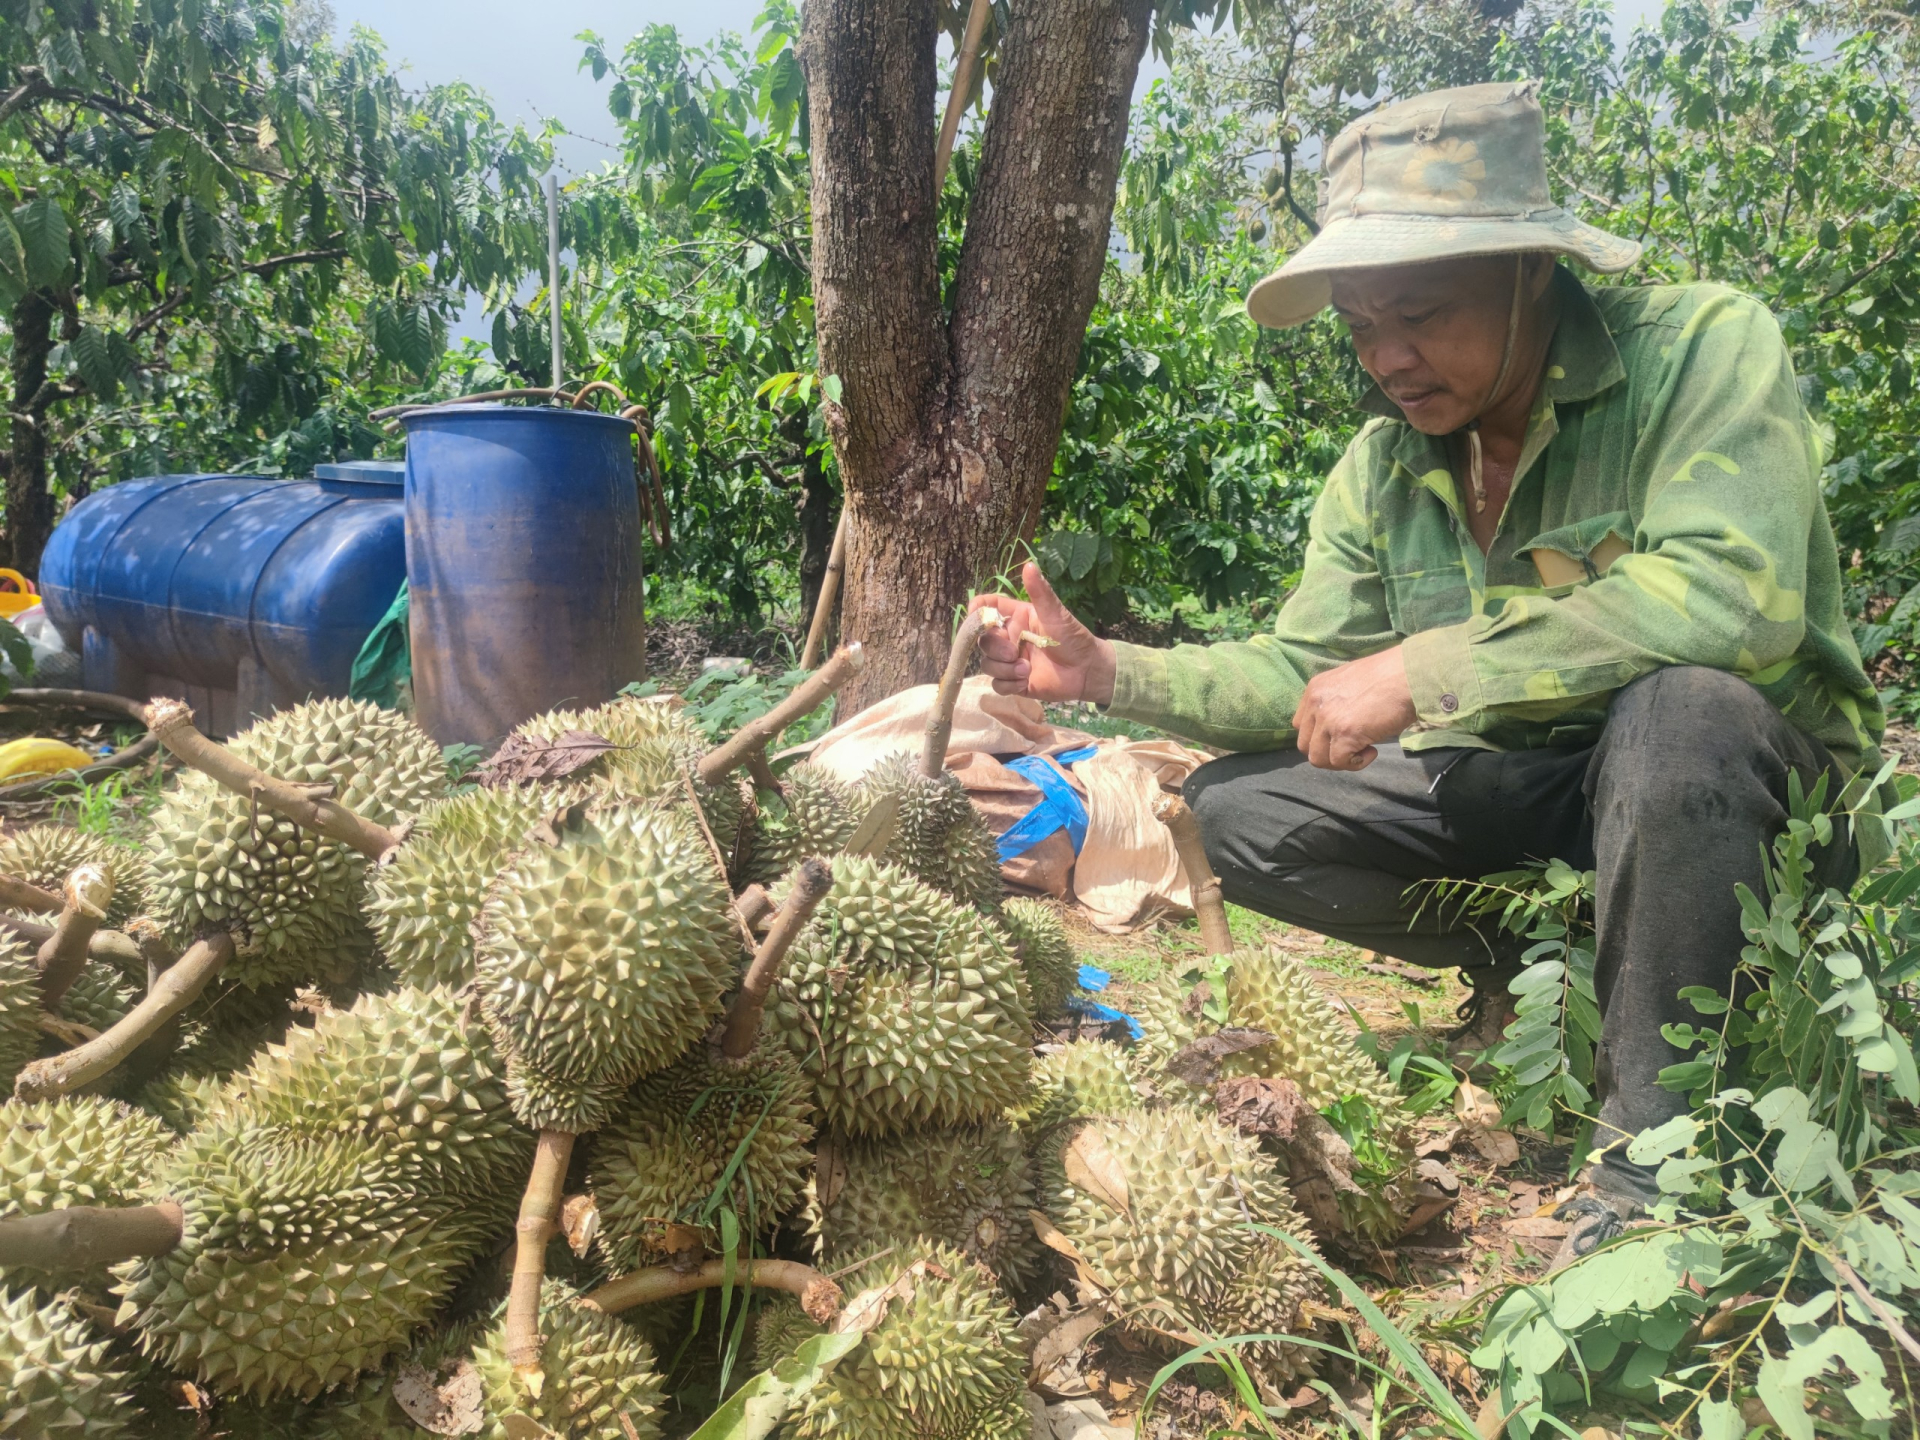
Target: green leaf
(830, 387)
(42, 226)
(756, 1409)
(94, 357)
(1658, 1143)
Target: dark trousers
(1672, 807)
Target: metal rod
(553, 279)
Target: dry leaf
(1317, 1146)
(1536, 1227)
(829, 1172)
(1255, 1105)
(525, 1427)
(1440, 1177)
(1475, 1107)
(875, 832)
(193, 1397)
(1051, 1237)
(869, 1307)
(1496, 1147)
(447, 1402)
(1199, 1062)
(525, 760)
(580, 1220)
(685, 1245)
(1062, 1341)
(1094, 1168)
(1440, 1144)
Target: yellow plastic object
(37, 755)
(20, 598)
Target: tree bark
(946, 431)
(29, 501)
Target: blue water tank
(236, 593)
(523, 565)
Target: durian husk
(368, 1410)
(422, 906)
(603, 958)
(906, 1008)
(290, 898)
(98, 997)
(1039, 938)
(46, 854)
(677, 1132)
(19, 1010)
(816, 815)
(77, 1150)
(1075, 1081)
(946, 1361)
(969, 1187)
(1159, 1206)
(938, 837)
(595, 1368)
(58, 1377)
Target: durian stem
(1172, 812)
(811, 882)
(89, 1237)
(848, 661)
(539, 1217)
(933, 750)
(110, 946)
(308, 806)
(63, 954)
(818, 1295)
(20, 895)
(171, 993)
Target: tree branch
(810, 887)
(818, 1295)
(811, 693)
(64, 954)
(90, 1237)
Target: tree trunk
(29, 501)
(946, 432)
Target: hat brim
(1302, 288)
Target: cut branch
(933, 751)
(810, 886)
(90, 1237)
(171, 992)
(808, 696)
(818, 1295)
(309, 806)
(1172, 812)
(111, 946)
(21, 895)
(64, 953)
(539, 1218)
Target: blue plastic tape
(1060, 808)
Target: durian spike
(848, 661)
(811, 882)
(89, 890)
(933, 751)
(309, 806)
(171, 992)
(20, 895)
(1172, 812)
(539, 1216)
(818, 1295)
(90, 1237)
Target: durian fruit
(680, 1129)
(602, 958)
(220, 1033)
(597, 1368)
(946, 1361)
(423, 903)
(905, 1007)
(1075, 1081)
(368, 1410)
(968, 1187)
(19, 1009)
(58, 1380)
(332, 1195)
(1157, 1204)
(98, 997)
(939, 837)
(45, 855)
(290, 897)
(77, 1150)
(1040, 940)
(816, 816)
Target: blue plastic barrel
(523, 563)
(236, 593)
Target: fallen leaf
(1535, 1227)
(525, 1427)
(525, 760)
(194, 1398)
(580, 1219)
(1094, 1168)
(869, 1307)
(1060, 1343)
(1476, 1108)
(685, 1245)
(1439, 1144)
(1496, 1147)
(1255, 1105)
(445, 1402)
(1198, 1063)
(829, 1172)
(1441, 1177)
(1319, 1146)
(1051, 1237)
(875, 832)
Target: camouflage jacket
(1667, 512)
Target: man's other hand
(1350, 709)
(1079, 667)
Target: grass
(113, 808)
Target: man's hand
(1351, 708)
(1079, 667)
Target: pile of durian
(360, 1103)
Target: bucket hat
(1451, 173)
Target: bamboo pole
(811, 693)
(1208, 904)
(810, 886)
(171, 993)
(818, 1295)
(829, 594)
(311, 807)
